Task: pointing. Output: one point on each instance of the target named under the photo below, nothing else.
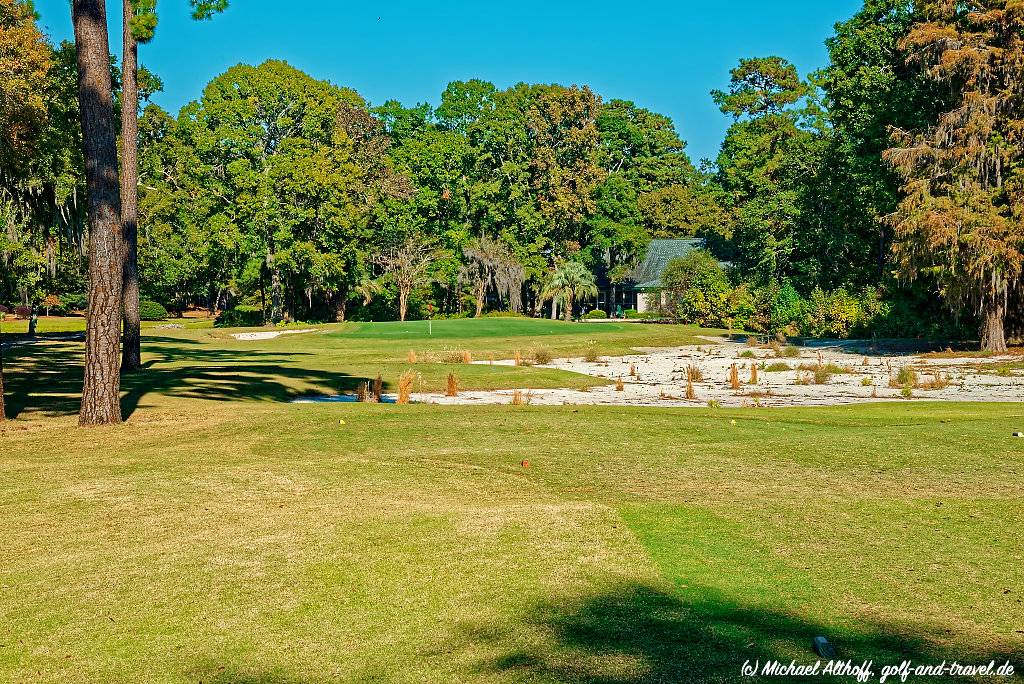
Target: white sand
(268, 334)
(661, 379)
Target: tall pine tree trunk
(102, 386)
(3, 415)
(131, 353)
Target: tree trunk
(554, 308)
(3, 415)
(275, 285)
(131, 351)
(102, 387)
(480, 304)
(339, 306)
(403, 303)
(993, 328)
(568, 309)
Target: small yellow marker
(341, 422)
(732, 422)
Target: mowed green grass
(222, 538)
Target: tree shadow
(635, 633)
(47, 378)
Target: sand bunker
(268, 334)
(661, 379)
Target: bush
(152, 311)
(698, 288)
(778, 367)
(596, 314)
(75, 302)
(22, 311)
(240, 317)
(497, 314)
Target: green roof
(647, 274)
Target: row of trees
(282, 191)
(893, 170)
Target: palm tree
(568, 283)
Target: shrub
(778, 367)
(698, 288)
(495, 314)
(632, 313)
(75, 302)
(748, 355)
(596, 314)
(152, 311)
(590, 356)
(240, 317)
(906, 376)
(822, 374)
(789, 352)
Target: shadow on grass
(636, 633)
(47, 378)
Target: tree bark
(3, 414)
(403, 303)
(568, 309)
(131, 352)
(340, 298)
(102, 386)
(993, 326)
(554, 309)
(275, 285)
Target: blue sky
(663, 55)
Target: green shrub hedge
(152, 311)
(240, 317)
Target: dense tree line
(843, 200)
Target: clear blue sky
(664, 55)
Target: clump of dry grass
(518, 358)
(453, 386)
(691, 393)
(378, 387)
(521, 399)
(803, 377)
(753, 374)
(619, 385)
(937, 382)
(542, 355)
(822, 374)
(632, 370)
(363, 392)
(590, 356)
(866, 361)
(466, 356)
(412, 356)
(734, 377)
(694, 374)
(405, 382)
(752, 341)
